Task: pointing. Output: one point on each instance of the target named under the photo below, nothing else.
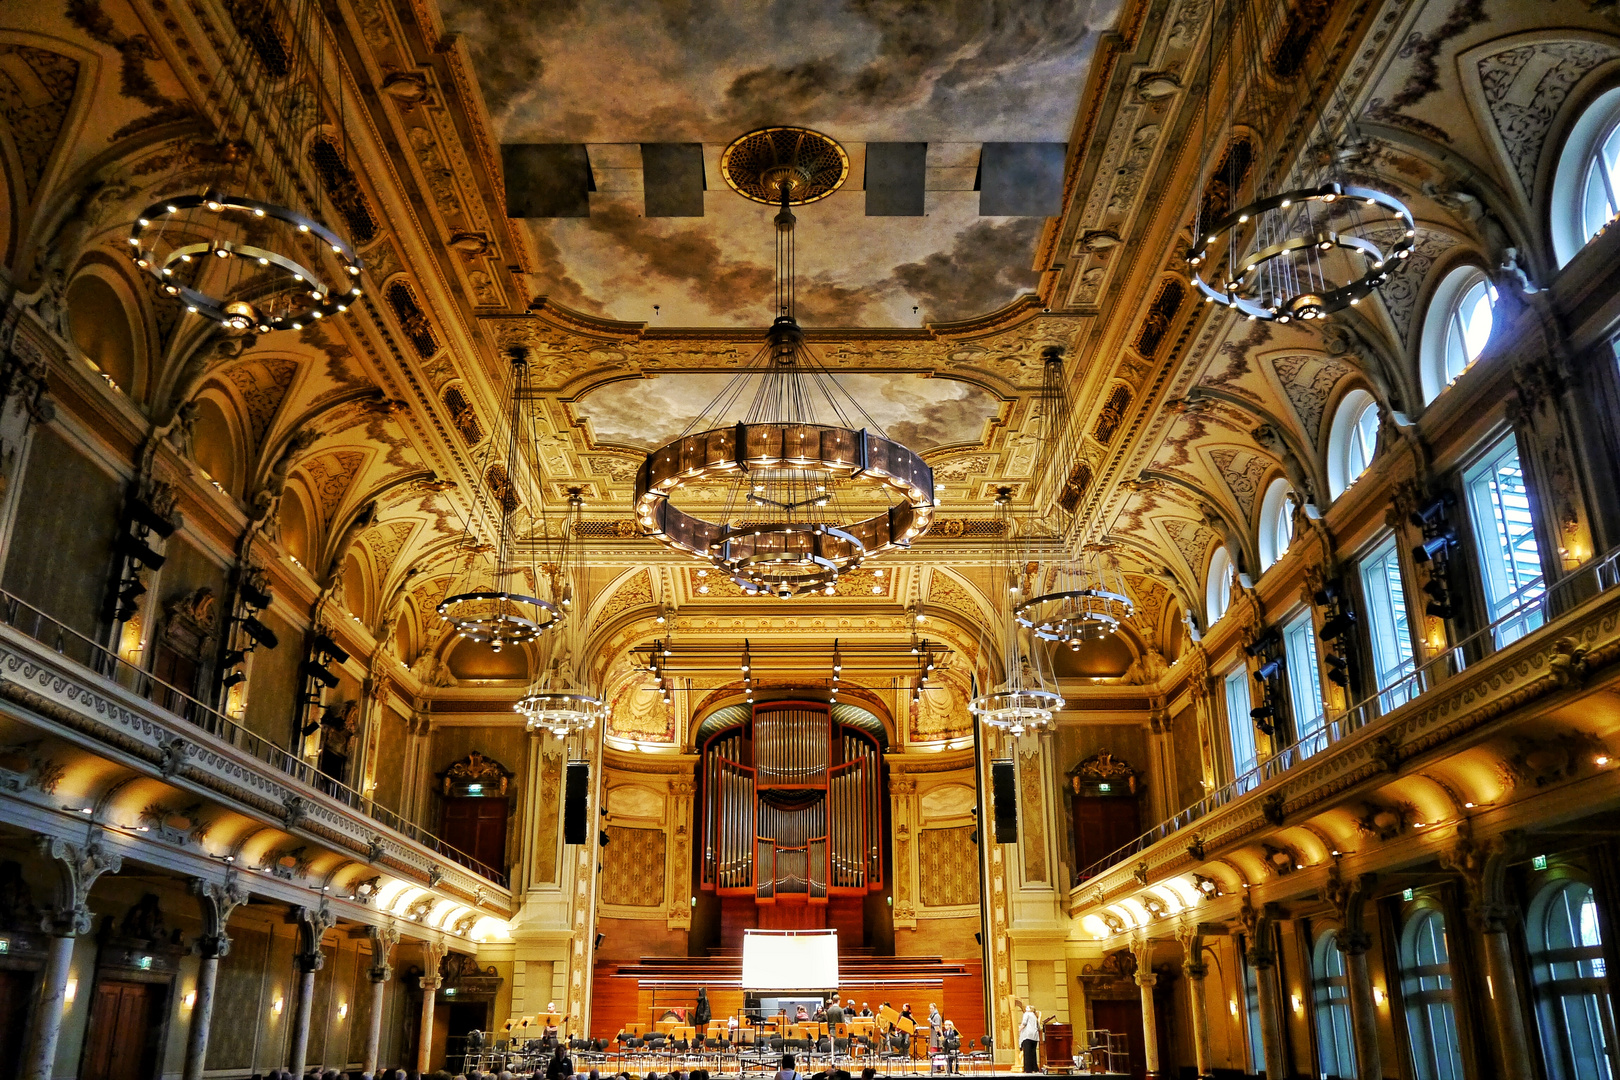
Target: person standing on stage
(934, 1022)
(835, 1014)
(1029, 1037)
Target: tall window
(1456, 328)
(1431, 1020)
(1335, 1045)
(1241, 726)
(1572, 988)
(1388, 627)
(1218, 585)
(1276, 522)
(1305, 684)
(1586, 184)
(1352, 440)
(1508, 558)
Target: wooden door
(1102, 825)
(477, 826)
(122, 1039)
(16, 990)
(1124, 1018)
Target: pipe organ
(793, 807)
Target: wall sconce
(1378, 996)
(276, 1005)
(71, 990)
(1299, 1005)
(343, 1010)
(189, 1000)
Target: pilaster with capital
(1348, 896)
(1259, 927)
(433, 951)
(678, 873)
(312, 923)
(904, 814)
(1194, 967)
(379, 971)
(1142, 952)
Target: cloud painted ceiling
(920, 412)
(613, 74)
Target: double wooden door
(126, 1025)
(477, 826)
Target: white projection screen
(790, 959)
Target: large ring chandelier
(1322, 243)
(1027, 697)
(563, 699)
(1303, 254)
(1085, 600)
(793, 492)
(496, 601)
(229, 242)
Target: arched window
(1276, 522)
(1352, 440)
(1586, 187)
(1431, 1019)
(1335, 1045)
(1218, 586)
(1572, 991)
(1456, 328)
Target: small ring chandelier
(254, 263)
(498, 604)
(1028, 696)
(792, 493)
(1322, 244)
(562, 700)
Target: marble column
(1348, 897)
(383, 940)
(1258, 926)
(216, 901)
(78, 867)
(432, 955)
(312, 925)
(1193, 966)
(1146, 980)
(1483, 867)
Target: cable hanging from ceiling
(1081, 597)
(496, 597)
(242, 235)
(564, 697)
(1318, 243)
(773, 482)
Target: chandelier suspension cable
(563, 697)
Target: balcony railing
(1536, 608)
(72, 645)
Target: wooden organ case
(793, 818)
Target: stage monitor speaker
(576, 793)
(1004, 793)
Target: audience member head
(788, 1062)
(869, 1073)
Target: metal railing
(74, 646)
(1535, 611)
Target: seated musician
(866, 1009)
(802, 1015)
(950, 1041)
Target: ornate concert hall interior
(514, 513)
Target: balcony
(1541, 643)
(111, 706)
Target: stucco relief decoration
(949, 864)
(633, 867)
(942, 712)
(1243, 470)
(1192, 539)
(638, 712)
(1399, 294)
(34, 100)
(1103, 767)
(1526, 86)
(262, 386)
(475, 771)
(1308, 380)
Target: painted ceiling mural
(920, 412)
(617, 74)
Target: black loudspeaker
(576, 793)
(1004, 794)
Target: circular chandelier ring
(327, 300)
(492, 628)
(1310, 305)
